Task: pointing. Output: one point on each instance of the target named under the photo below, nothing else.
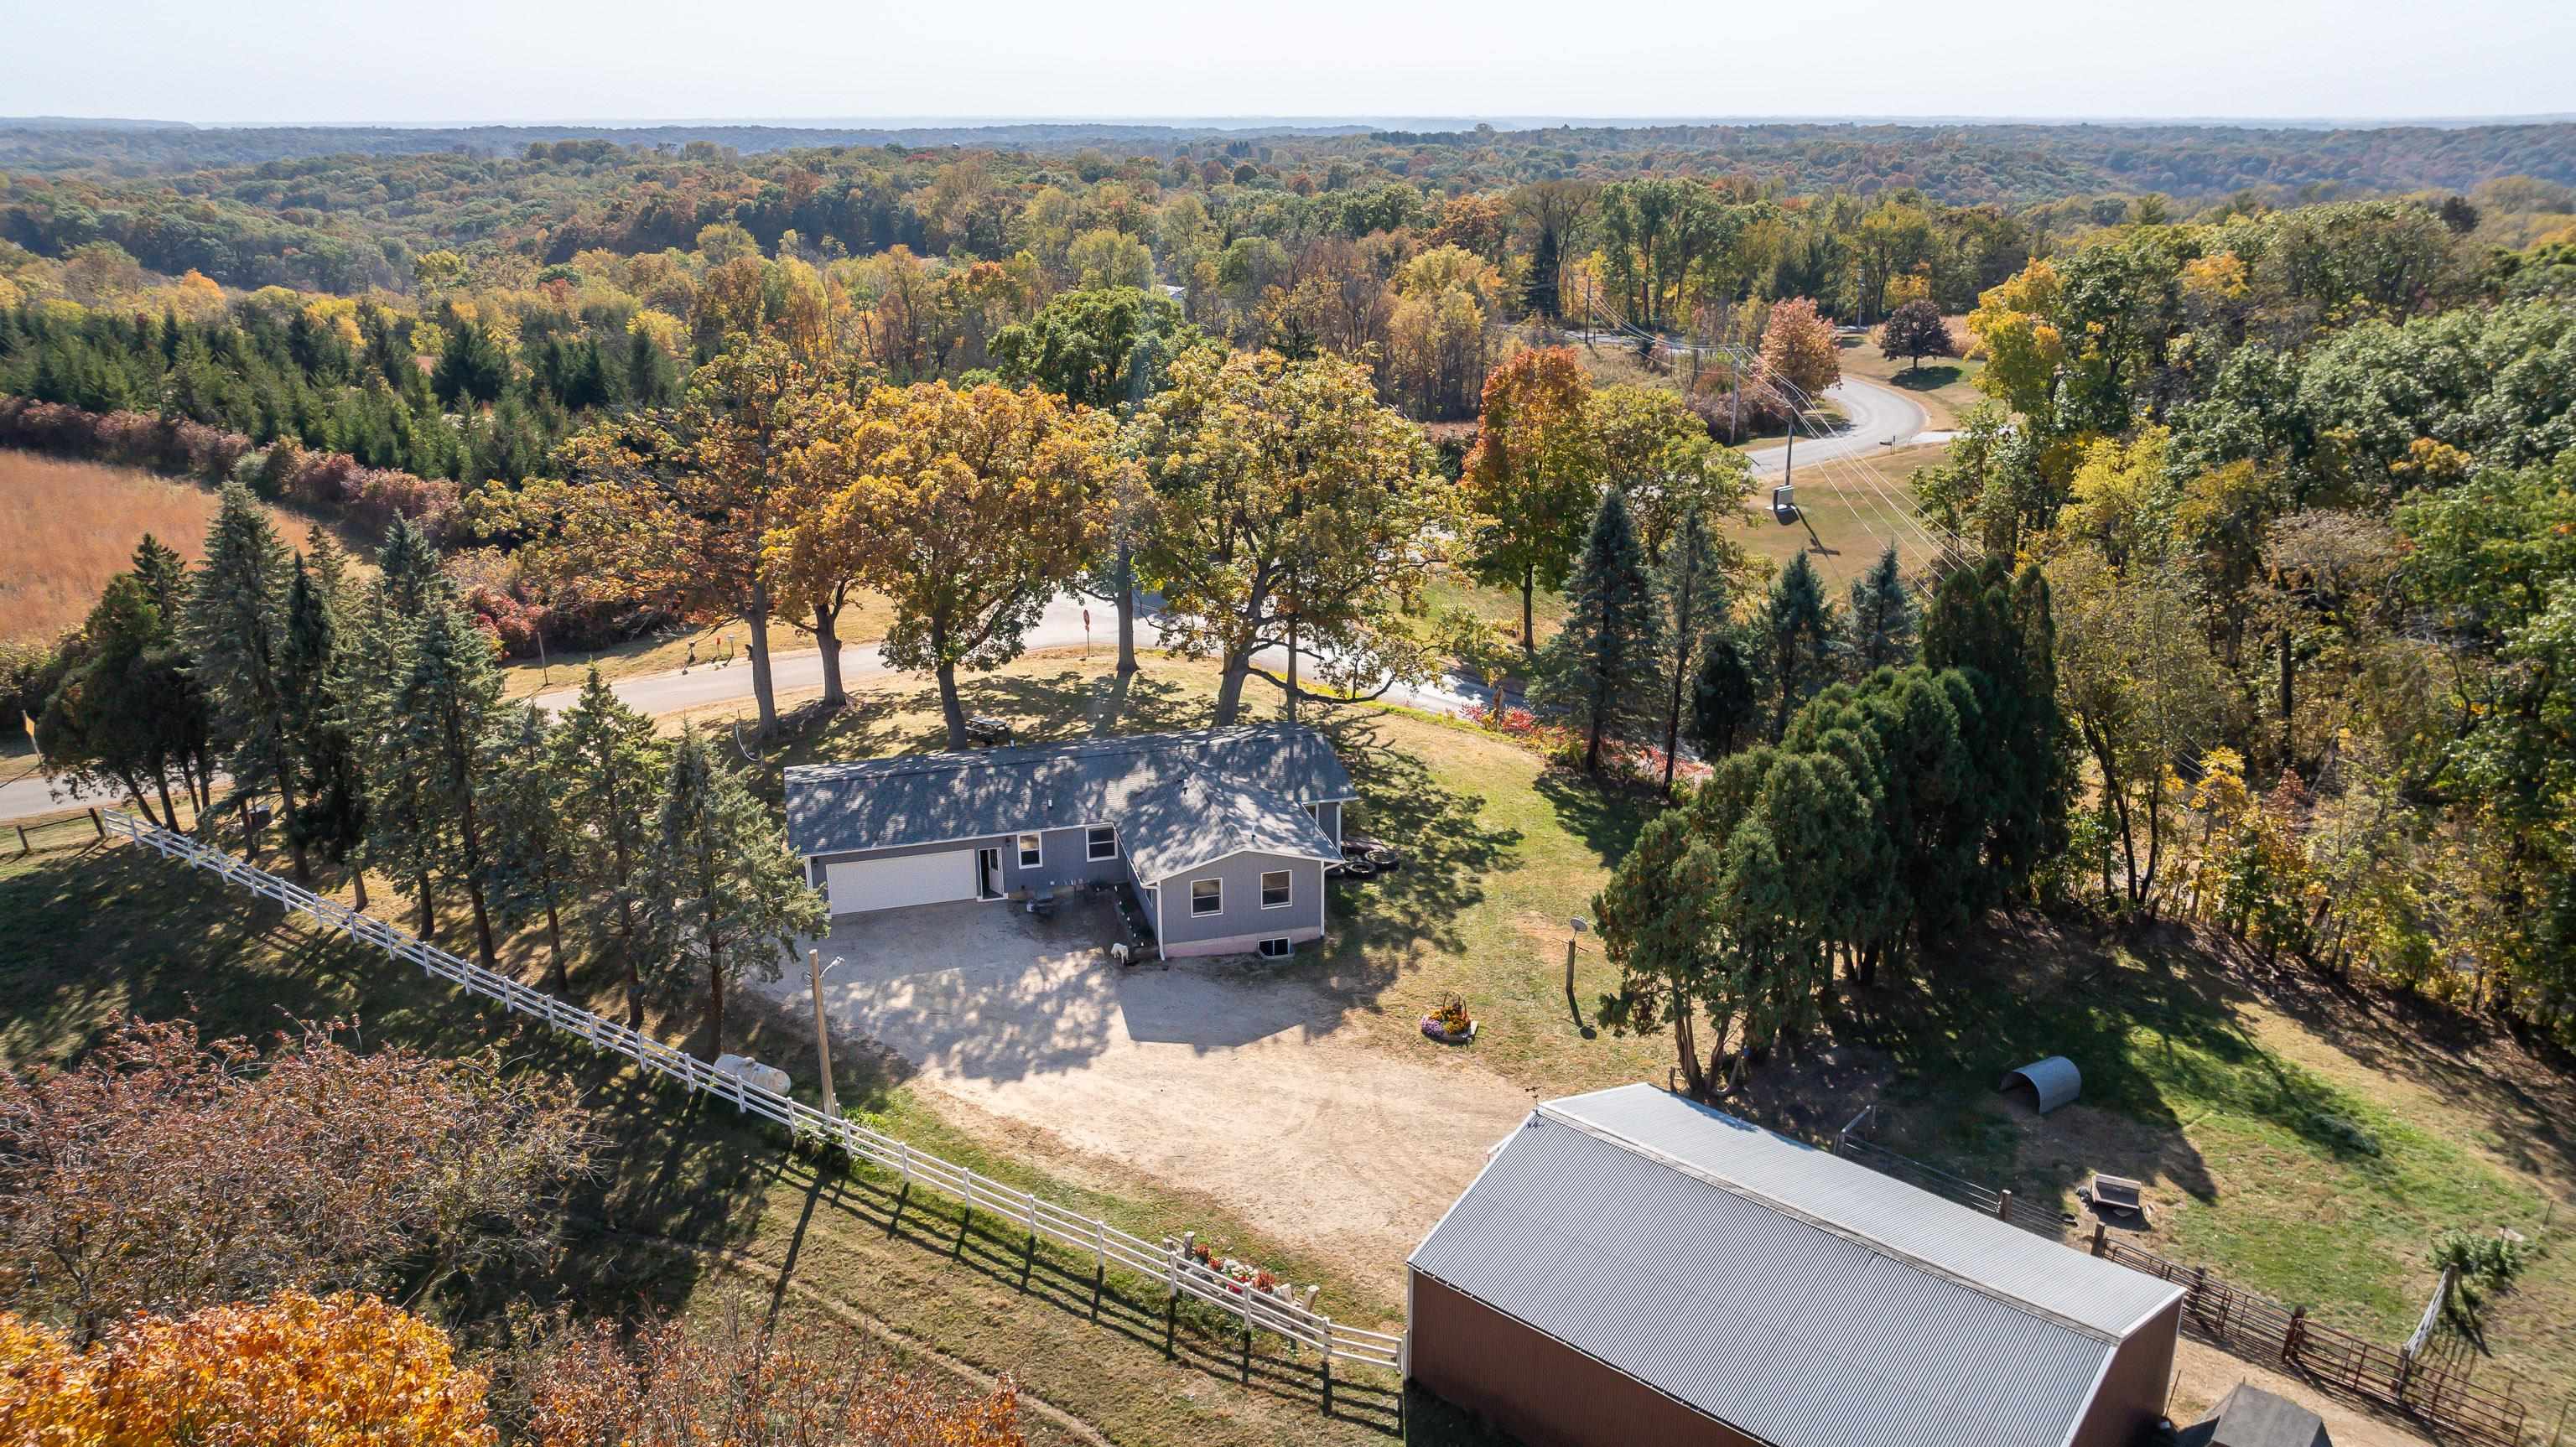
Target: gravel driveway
(1212, 1076)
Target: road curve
(1878, 417)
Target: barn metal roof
(939, 798)
(2054, 1080)
(1801, 1298)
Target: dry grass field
(66, 527)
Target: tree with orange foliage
(337, 1371)
(1798, 347)
(1532, 479)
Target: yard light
(822, 1036)
(1577, 925)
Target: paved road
(1879, 417)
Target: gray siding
(1243, 916)
(1062, 864)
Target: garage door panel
(859, 885)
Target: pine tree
(1995, 628)
(1722, 701)
(1797, 638)
(442, 709)
(531, 846)
(1600, 668)
(1692, 586)
(328, 562)
(333, 821)
(401, 832)
(236, 629)
(164, 577)
(723, 895)
(1882, 618)
(610, 768)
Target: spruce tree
(441, 711)
(1722, 699)
(1692, 587)
(724, 897)
(531, 846)
(1600, 668)
(164, 577)
(1882, 618)
(236, 630)
(1797, 636)
(401, 832)
(610, 767)
(333, 820)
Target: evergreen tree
(124, 708)
(1600, 668)
(328, 562)
(401, 832)
(164, 578)
(610, 768)
(1797, 629)
(723, 895)
(236, 631)
(532, 855)
(1995, 628)
(1692, 586)
(333, 820)
(1722, 700)
(651, 379)
(441, 713)
(1882, 619)
(472, 369)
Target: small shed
(2248, 1416)
(2053, 1082)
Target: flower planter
(1432, 1028)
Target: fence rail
(1168, 1261)
(2435, 1391)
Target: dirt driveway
(1215, 1077)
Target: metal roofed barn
(1634, 1267)
(2053, 1082)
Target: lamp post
(1577, 926)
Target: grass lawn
(1850, 510)
(1945, 386)
(702, 1208)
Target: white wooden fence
(1168, 1262)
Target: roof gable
(1741, 1273)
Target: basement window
(1277, 949)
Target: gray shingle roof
(1245, 784)
(1801, 1298)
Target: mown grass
(1945, 386)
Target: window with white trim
(1032, 850)
(1101, 842)
(1207, 896)
(1279, 948)
(1275, 890)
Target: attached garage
(865, 884)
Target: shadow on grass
(1605, 813)
(1446, 853)
(1927, 379)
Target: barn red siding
(2133, 1390)
(1537, 1388)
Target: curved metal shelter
(2054, 1081)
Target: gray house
(1223, 834)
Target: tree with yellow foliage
(968, 509)
(334, 1371)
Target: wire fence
(69, 832)
(1272, 1309)
(2432, 1387)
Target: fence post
(2290, 1339)
(2003, 1205)
(1171, 1268)
(1328, 1363)
(903, 1155)
(1099, 1245)
(24, 848)
(2100, 1231)
(96, 822)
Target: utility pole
(822, 1035)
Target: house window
(1032, 851)
(1278, 949)
(1207, 896)
(1101, 842)
(1274, 889)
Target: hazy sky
(562, 60)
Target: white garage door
(865, 884)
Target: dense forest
(2292, 478)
